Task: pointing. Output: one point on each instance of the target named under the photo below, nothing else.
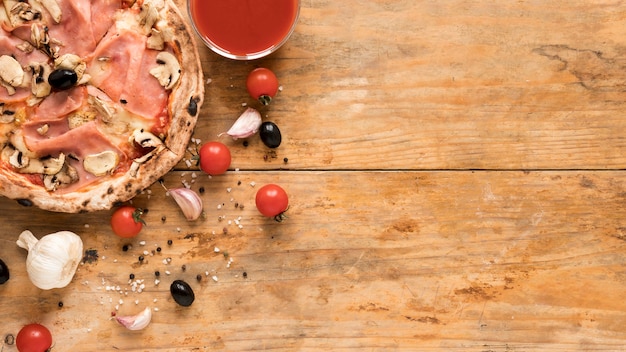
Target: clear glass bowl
(248, 56)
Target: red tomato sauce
(243, 27)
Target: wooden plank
(438, 85)
(464, 261)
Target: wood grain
(472, 261)
(455, 174)
(444, 85)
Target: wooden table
(455, 173)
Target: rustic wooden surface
(455, 172)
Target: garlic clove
(246, 125)
(188, 201)
(52, 260)
(136, 322)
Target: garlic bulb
(136, 322)
(52, 260)
(246, 125)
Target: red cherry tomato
(262, 84)
(272, 201)
(126, 221)
(33, 338)
(214, 158)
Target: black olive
(62, 79)
(182, 293)
(4, 272)
(25, 202)
(192, 108)
(270, 134)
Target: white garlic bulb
(52, 260)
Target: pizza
(98, 99)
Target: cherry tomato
(33, 338)
(272, 201)
(262, 84)
(214, 158)
(126, 221)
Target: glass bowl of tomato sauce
(244, 29)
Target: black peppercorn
(125, 248)
(9, 339)
(245, 274)
(158, 249)
(140, 258)
(157, 273)
(199, 277)
(169, 242)
(131, 276)
(60, 304)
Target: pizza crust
(184, 104)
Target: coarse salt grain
(214, 278)
(142, 243)
(216, 250)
